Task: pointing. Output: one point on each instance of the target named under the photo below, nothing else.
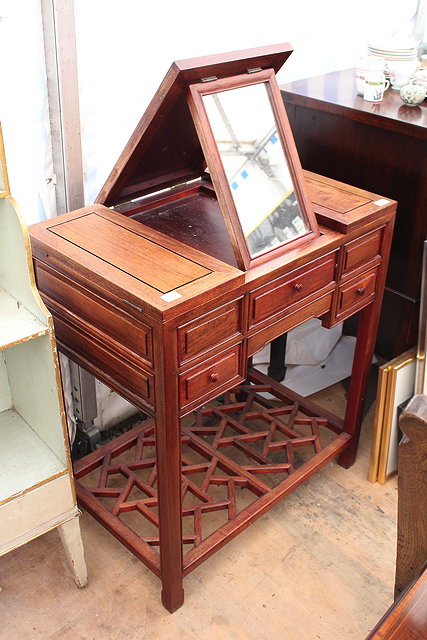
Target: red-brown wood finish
(169, 358)
(407, 617)
(161, 314)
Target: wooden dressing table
(156, 291)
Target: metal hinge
(209, 79)
(255, 70)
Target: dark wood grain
(381, 148)
(412, 497)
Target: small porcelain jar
(412, 94)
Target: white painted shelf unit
(36, 484)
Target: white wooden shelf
(17, 324)
(25, 460)
(36, 485)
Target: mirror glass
(243, 125)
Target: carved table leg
(72, 542)
(412, 495)
(168, 453)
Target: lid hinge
(209, 79)
(255, 70)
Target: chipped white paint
(36, 486)
(35, 512)
(72, 541)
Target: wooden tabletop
(407, 617)
(336, 93)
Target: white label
(381, 202)
(171, 296)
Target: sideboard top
(336, 93)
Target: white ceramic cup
(401, 71)
(375, 85)
(363, 67)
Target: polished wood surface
(412, 499)
(164, 149)
(211, 153)
(203, 332)
(381, 148)
(196, 347)
(407, 617)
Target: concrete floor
(320, 565)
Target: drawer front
(209, 330)
(314, 309)
(133, 335)
(134, 379)
(207, 380)
(356, 292)
(362, 250)
(295, 287)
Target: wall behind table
(126, 46)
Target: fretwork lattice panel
(234, 451)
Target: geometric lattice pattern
(234, 451)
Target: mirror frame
(213, 160)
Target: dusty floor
(320, 565)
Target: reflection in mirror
(254, 162)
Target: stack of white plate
(401, 59)
(394, 50)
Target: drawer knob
(213, 377)
(298, 286)
(360, 291)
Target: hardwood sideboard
(380, 147)
(147, 296)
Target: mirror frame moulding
(195, 95)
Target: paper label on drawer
(171, 296)
(381, 202)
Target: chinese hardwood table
(153, 293)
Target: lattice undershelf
(240, 455)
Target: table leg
(369, 318)
(362, 362)
(168, 453)
(277, 368)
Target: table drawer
(209, 330)
(132, 334)
(294, 287)
(131, 377)
(356, 292)
(362, 250)
(208, 379)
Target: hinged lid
(164, 149)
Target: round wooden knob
(298, 286)
(360, 291)
(213, 377)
